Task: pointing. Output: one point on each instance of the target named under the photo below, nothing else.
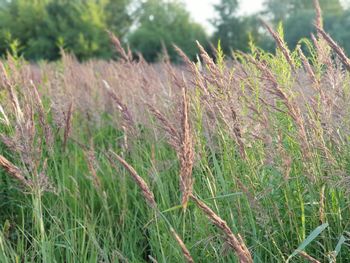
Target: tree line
(39, 29)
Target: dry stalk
(308, 257)
(68, 125)
(174, 137)
(308, 68)
(186, 154)
(188, 62)
(320, 43)
(337, 49)
(214, 69)
(14, 171)
(322, 205)
(165, 54)
(293, 109)
(42, 117)
(238, 132)
(146, 192)
(315, 106)
(13, 96)
(235, 242)
(218, 79)
(152, 259)
(4, 119)
(199, 79)
(126, 114)
(318, 19)
(120, 256)
(149, 197)
(126, 56)
(91, 162)
(182, 142)
(184, 249)
(281, 45)
(323, 51)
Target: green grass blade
(315, 233)
(339, 244)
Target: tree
(298, 18)
(277, 10)
(337, 27)
(78, 28)
(161, 24)
(234, 31)
(329, 6)
(42, 26)
(297, 26)
(280, 10)
(20, 20)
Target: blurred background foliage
(38, 29)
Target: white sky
(202, 10)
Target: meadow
(242, 159)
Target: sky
(202, 10)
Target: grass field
(208, 162)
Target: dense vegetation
(209, 162)
(38, 29)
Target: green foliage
(266, 195)
(298, 18)
(160, 24)
(220, 56)
(233, 31)
(313, 235)
(282, 9)
(300, 25)
(38, 29)
(337, 27)
(41, 26)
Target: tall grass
(219, 160)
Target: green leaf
(339, 244)
(315, 233)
